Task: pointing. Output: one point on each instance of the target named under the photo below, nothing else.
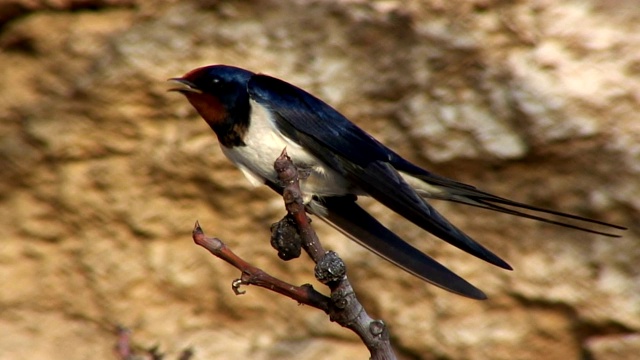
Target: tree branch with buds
(290, 234)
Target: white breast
(263, 146)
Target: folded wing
(357, 156)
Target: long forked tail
(489, 202)
(451, 190)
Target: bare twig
(123, 345)
(252, 275)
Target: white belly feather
(263, 146)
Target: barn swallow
(256, 116)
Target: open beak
(183, 86)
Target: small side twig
(252, 275)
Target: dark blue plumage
(257, 116)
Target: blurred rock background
(103, 173)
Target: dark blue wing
(356, 155)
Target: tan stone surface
(103, 173)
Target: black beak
(183, 86)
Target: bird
(256, 116)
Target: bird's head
(217, 92)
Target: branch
(342, 306)
(345, 308)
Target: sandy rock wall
(103, 174)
